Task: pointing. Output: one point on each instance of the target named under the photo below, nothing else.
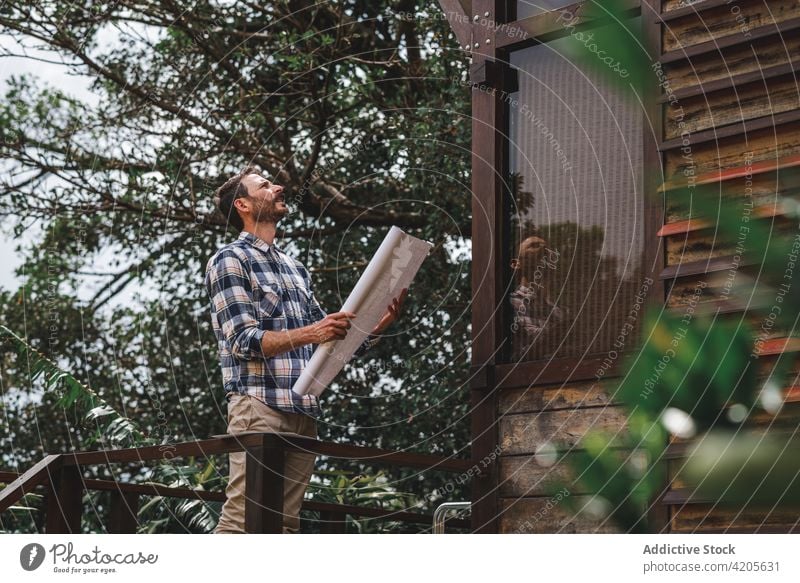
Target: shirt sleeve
(315, 310)
(231, 296)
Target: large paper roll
(393, 268)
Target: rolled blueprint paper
(393, 268)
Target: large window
(575, 176)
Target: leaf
(101, 411)
(744, 470)
(118, 429)
(611, 46)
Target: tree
(355, 107)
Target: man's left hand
(392, 313)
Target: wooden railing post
(264, 467)
(64, 502)
(124, 508)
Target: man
(537, 322)
(267, 322)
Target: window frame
(494, 362)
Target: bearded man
(267, 322)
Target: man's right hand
(331, 327)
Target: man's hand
(392, 313)
(331, 327)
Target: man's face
(265, 203)
(530, 250)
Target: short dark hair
(229, 192)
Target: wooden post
(124, 508)
(654, 208)
(488, 184)
(264, 467)
(64, 504)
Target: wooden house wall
(728, 115)
(730, 122)
(531, 496)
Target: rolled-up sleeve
(231, 296)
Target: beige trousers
(246, 413)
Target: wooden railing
(62, 477)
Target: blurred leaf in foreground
(744, 469)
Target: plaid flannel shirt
(254, 288)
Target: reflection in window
(526, 8)
(575, 158)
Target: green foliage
(694, 365)
(181, 515)
(110, 201)
(744, 469)
(371, 491)
(111, 428)
(618, 470)
(696, 376)
(25, 516)
(605, 38)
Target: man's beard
(271, 212)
